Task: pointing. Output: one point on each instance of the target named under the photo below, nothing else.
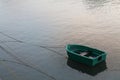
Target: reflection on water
(87, 69)
(95, 3)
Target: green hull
(85, 55)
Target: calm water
(95, 23)
(62, 21)
(59, 22)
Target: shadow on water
(87, 69)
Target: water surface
(55, 23)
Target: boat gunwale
(68, 46)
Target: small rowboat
(85, 55)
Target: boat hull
(73, 55)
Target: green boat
(85, 55)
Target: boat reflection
(87, 69)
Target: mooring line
(18, 59)
(7, 41)
(10, 37)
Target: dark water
(55, 23)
